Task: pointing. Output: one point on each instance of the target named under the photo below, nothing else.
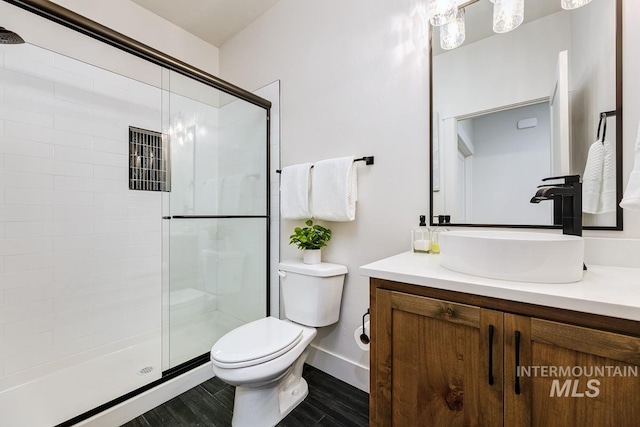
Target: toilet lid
(255, 342)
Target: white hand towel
(631, 198)
(334, 189)
(294, 191)
(592, 178)
(607, 202)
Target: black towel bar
(368, 160)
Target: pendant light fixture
(452, 33)
(507, 15)
(442, 11)
(449, 15)
(573, 4)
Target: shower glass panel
(216, 214)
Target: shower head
(9, 37)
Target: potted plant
(310, 240)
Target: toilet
(263, 359)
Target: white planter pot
(312, 256)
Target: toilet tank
(312, 293)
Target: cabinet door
(433, 363)
(569, 375)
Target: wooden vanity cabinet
(438, 362)
(603, 391)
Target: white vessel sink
(513, 255)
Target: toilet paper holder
(364, 338)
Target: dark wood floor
(330, 402)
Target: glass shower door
(216, 221)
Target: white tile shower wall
(80, 258)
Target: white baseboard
(345, 370)
(138, 405)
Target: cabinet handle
(517, 385)
(491, 354)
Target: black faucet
(567, 202)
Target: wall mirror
(509, 109)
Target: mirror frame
(619, 147)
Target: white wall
(354, 81)
(138, 23)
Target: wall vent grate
(148, 165)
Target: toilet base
(266, 406)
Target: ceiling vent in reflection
(528, 123)
(148, 166)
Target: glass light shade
(507, 15)
(442, 11)
(573, 4)
(452, 33)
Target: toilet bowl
(263, 359)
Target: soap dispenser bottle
(421, 237)
(435, 233)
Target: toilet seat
(255, 342)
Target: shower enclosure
(134, 224)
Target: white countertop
(608, 291)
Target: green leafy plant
(311, 236)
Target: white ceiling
(214, 21)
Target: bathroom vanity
(454, 349)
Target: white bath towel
(334, 189)
(599, 180)
(592, 178)
(631, 198)
(294, 191)
(607, 202)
